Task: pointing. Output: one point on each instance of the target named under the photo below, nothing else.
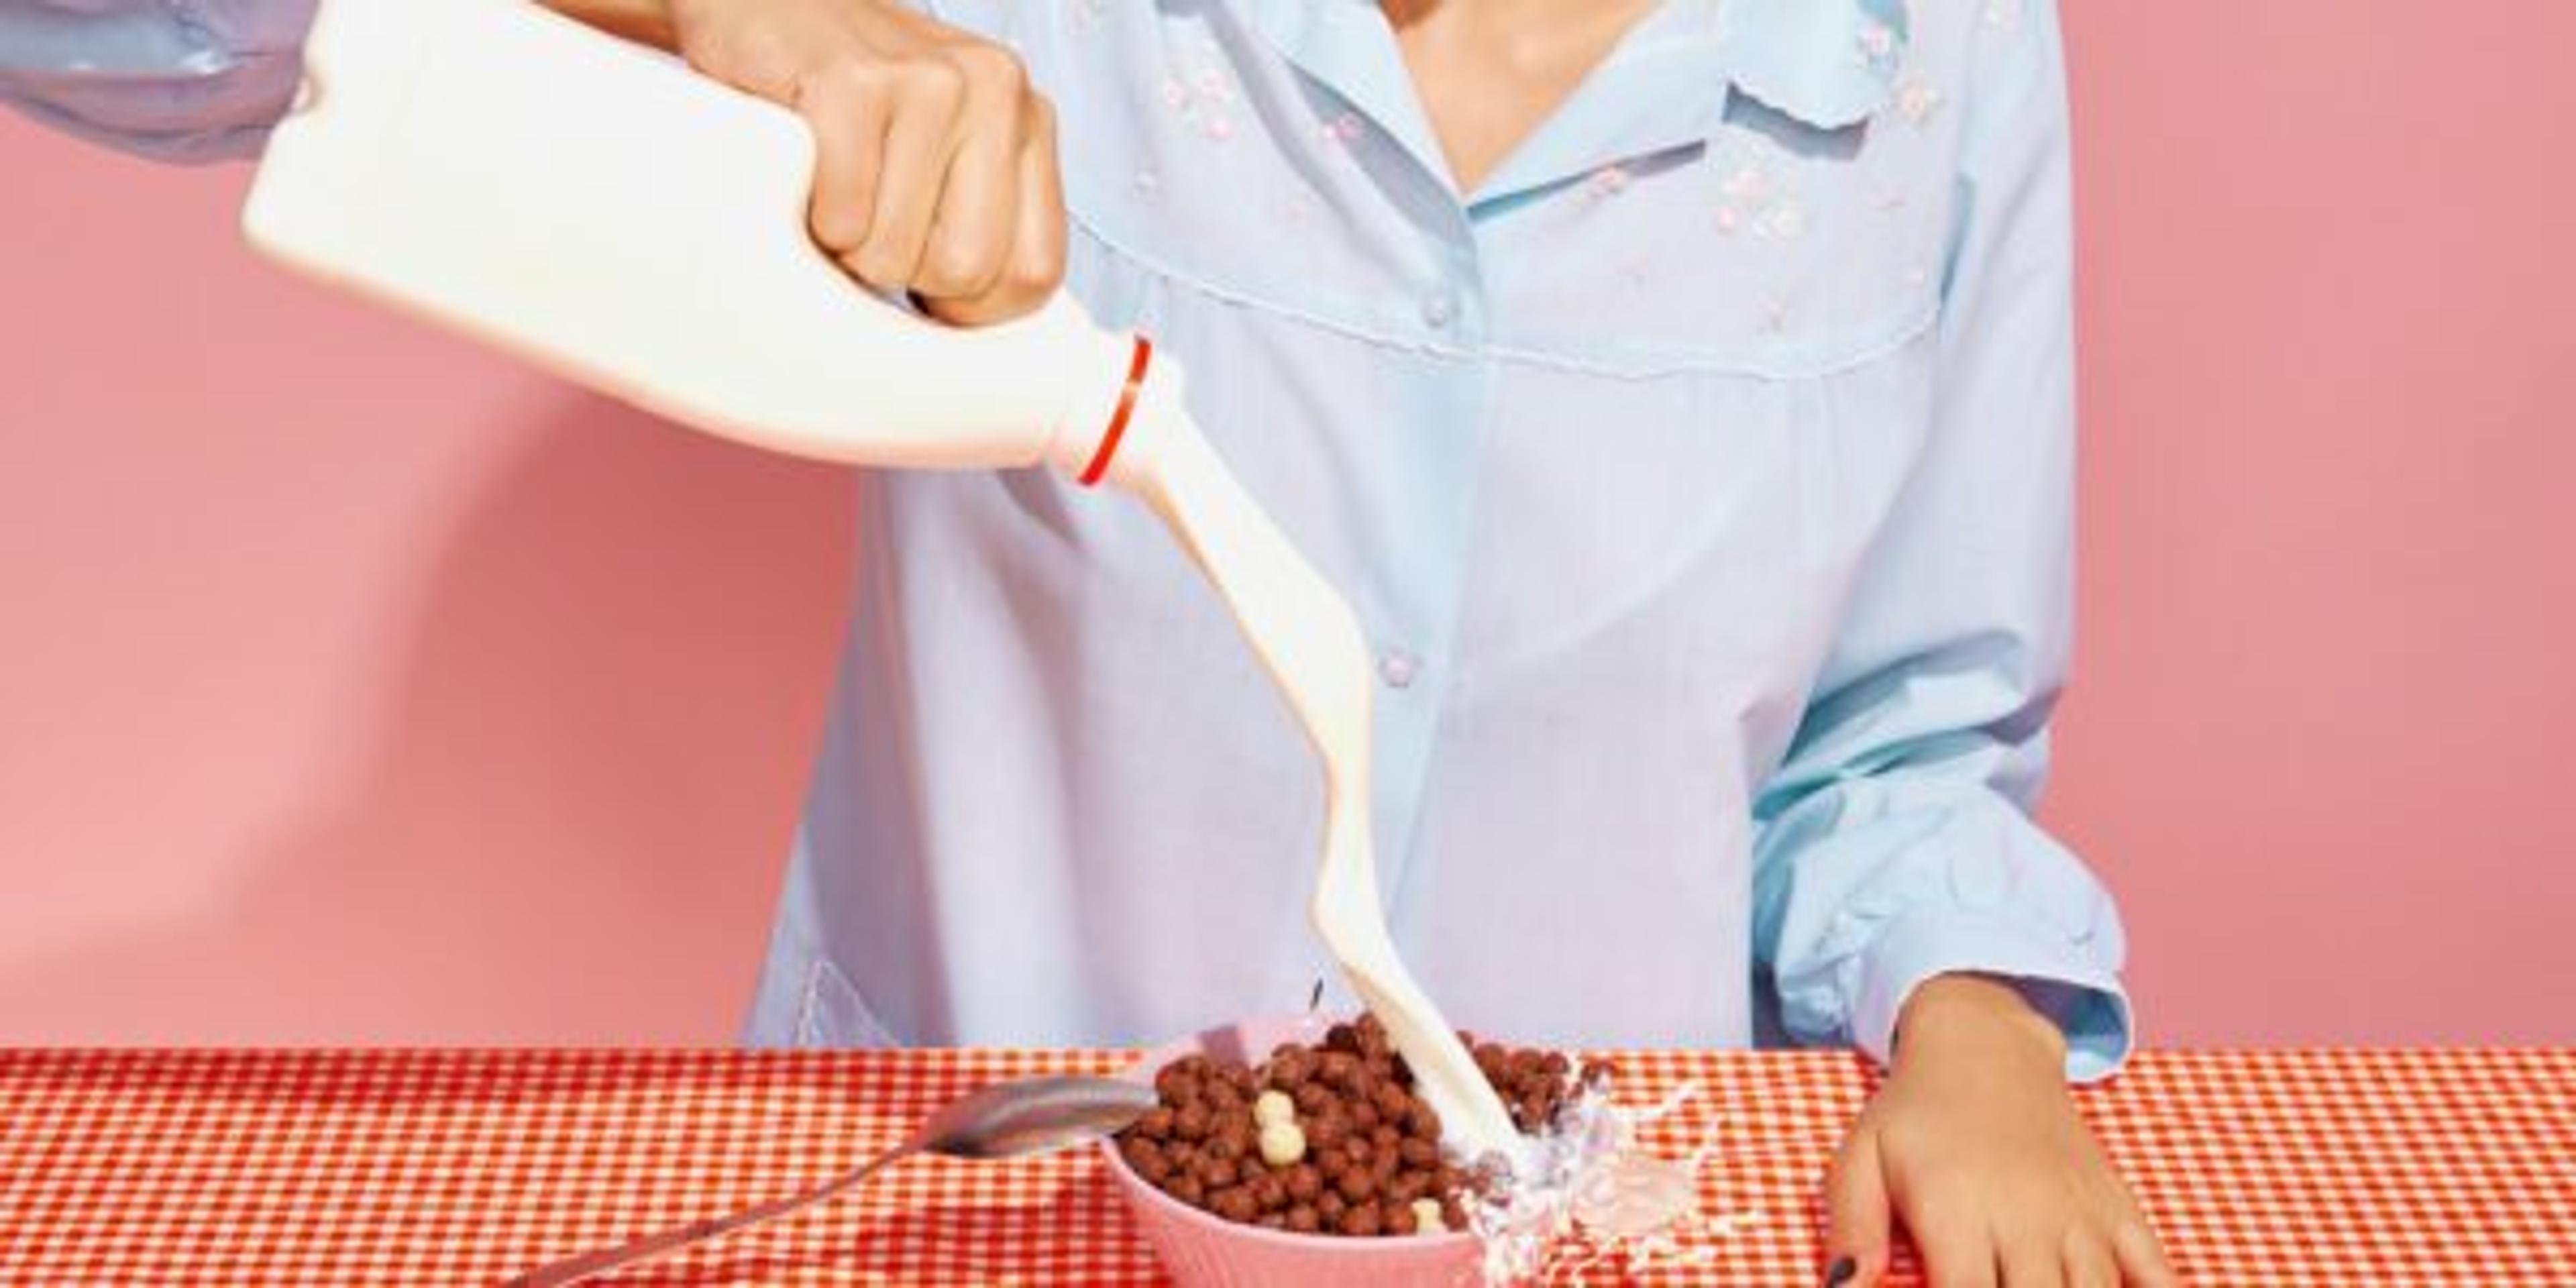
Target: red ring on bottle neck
(1117, 431)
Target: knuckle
(2135, 1240)
(752, 62)
(960, 268)
(2084, 1249)
(840, 226)
(937, 81)
(848, 83)
(878, 266)
(756, 49)
(991, 68)
(1022, 292)
(1040, 271)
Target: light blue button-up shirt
(1703, 477)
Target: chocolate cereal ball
(1331, 1138)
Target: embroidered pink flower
(1878, 46)
(1344, 129)
(1203, 100)
(1753, 198)
(1917, 98)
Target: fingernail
(1841, 1272)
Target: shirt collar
(1829, 63)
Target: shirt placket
(1417, 645)
(1670, 94)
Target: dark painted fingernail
(1841, 1272)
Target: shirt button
(1439, 311)
(1398, 668)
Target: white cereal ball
(1426, 1217)
(1274, 1107)
(1282, 1143)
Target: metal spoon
(1005, 1120)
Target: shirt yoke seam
(1888, 338)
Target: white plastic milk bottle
(607, 214)
(596, 208)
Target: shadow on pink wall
(587, 764)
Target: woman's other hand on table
(1975, 1146)
(936, 171)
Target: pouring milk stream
(602, 211)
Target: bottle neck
(1119, 422)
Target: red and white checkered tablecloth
(340, 1168)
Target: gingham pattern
(219, 1167)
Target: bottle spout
(1116, 427)
(1140, 364)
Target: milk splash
(1589, 1193)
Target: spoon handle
(574, 1269)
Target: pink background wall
(356, 687)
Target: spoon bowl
(1032, 1116)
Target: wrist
(1978, 1016)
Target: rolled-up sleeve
(177, 80)
(1895, 842)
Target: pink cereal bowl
(1203, 1250)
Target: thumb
(1856, 1214)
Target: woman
(1682, 394)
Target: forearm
(1897, 845)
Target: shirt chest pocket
(1774, 249)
